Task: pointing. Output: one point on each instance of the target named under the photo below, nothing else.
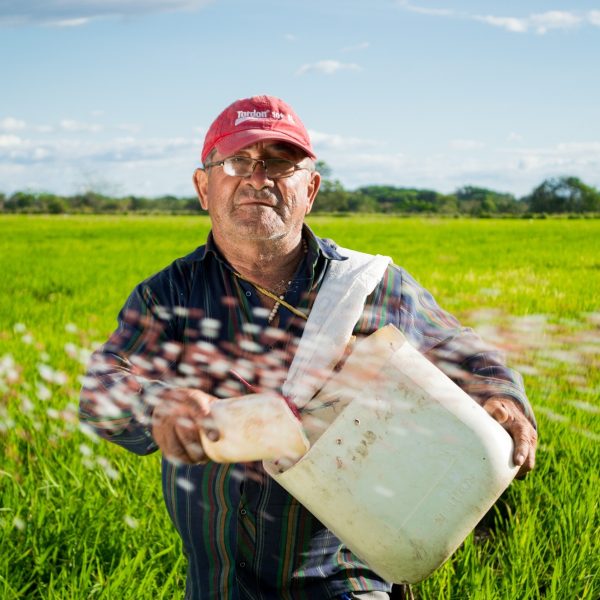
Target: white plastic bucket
(403, 463)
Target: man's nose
(259, 175)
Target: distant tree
(448, 205)
(88, 202)
(404, 200)
(359, 202)
(385, 196)
(332, 197)
(192, 204)
(112, 205)
(22, 202)
(167, 203)
(564, 194)
(135, 203)
(56, 205)
(477, 200)
(323, 168)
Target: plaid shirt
(196, 324)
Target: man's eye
(280, 165)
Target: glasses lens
(242, 166)
(238, 166)
(279, 167)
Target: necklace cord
(279, 301)
(273, 296)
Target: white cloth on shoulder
(336, 310)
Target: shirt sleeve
(124, 375)
(477, 367)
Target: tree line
(557, 195)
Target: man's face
(257, 207)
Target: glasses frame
(255, 161)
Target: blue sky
(115, 95)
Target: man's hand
(511, 417)
(176, 423)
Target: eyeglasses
(243, 166)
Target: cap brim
(236, 141)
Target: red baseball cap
(252, 120)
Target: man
(225, 320)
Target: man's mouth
(257, 201)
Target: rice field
(82, 519)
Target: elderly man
(226, 319)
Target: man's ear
(200, 179)
(313, 189)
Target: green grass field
(82, 519)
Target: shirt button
(248, 293)
(243, 511)
(242, 564)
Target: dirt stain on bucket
(363, 448)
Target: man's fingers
(192, 452)
(201, 402)
(177, 446)
(188, 436)
(519, 428)
(497, 410)
(525, 441)
(177, 420)
(175, 449)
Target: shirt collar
(328, 248)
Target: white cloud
(65, 164)
(512, 169)
(565, 157)
(12, 124)
(327, 67)
(69, 22)
(73, 126)
(361, 46)
(513, 136)
(130, 149)
(539, 23)
(466, 144)
(437, 12)
(10, 141)
(119, 149)
(17, 150)
(74, 13)
(513, 24)
(554, 19)
(129, 127)
(328, 141)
